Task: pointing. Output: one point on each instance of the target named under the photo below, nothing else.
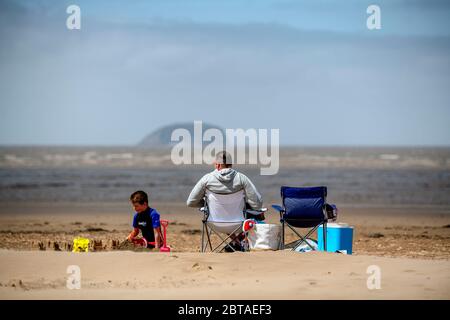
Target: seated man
(224, 180)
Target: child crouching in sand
(145, 220)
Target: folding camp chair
(224, 216)
(303, 208)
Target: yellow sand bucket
(80, 245)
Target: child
(145, 220)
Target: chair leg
(325, 236)
(210, 231)
(202, 249)
(208, 234)
(224, 241)
(302, 238)
(282, 235)
(206, 241)
(246, 244)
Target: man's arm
(252, 195)
(195, 199)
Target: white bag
(264, 236)
(306, 248)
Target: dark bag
(332, 211)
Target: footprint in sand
(197, 266)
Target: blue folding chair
(303, 208)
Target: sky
(310, 68)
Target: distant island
(162, 137)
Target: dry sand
(411, 247)
(257, 275)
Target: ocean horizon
(369, 176)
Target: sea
(354, 176)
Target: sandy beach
(258, 275)
(105, 104)
(411, 247)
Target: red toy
(165, 247)
(248, 224)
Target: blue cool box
(339, 237)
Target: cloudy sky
(309, 68)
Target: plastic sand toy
(80, 245)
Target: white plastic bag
(306, 248)
(264, 236)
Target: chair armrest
(256, 211)
(278, 207)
